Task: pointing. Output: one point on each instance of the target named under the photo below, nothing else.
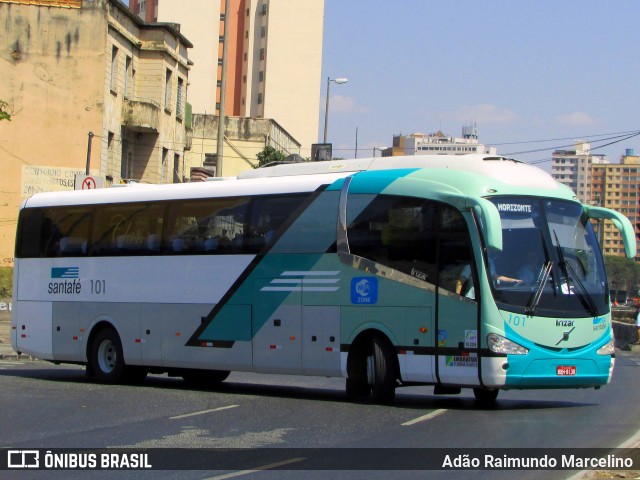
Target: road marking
(424, 418)
(203, 412)
(257, 469)
(7, 364)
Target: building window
(167, 90)
(163, 167)
(114, 68)
(126, 167)
(262, 54)
(128, 76)
(259, 99)
(261, 76)
(180, 98)
(263, 32)
(110, 142)
(176, 168)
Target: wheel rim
(107, 356)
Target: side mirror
(621, 222)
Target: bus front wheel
(381, 372)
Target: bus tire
(204, 378)
(485, 397)
(357, 387)
(106, 360)
(381, 372)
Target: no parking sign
(88, 182)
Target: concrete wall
(52, 63)
(61, 80)
(244, 139)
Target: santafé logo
(65, 280)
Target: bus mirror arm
(621, 222)
(490, 219)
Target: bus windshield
(550, 264)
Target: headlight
(608, 348)
(499, 344)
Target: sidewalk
(6, 351)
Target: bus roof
(308, 176)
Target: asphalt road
(49, 406)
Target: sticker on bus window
(470, 339)
(442, 338)
(364, 290)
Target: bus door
(456, 342)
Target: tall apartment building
(573, 169)
(273, 62)
(596, 181)
(439, 144)
(617, 186)
(70, 67)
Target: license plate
(566, 370)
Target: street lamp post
(339, 81)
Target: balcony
(141, 114)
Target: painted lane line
(177, 417)
(424, 418)
(257, 469)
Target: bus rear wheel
(485, 397)
(106, 360)
(381, 372)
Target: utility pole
(87, 170)
(223, 91)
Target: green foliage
(269, 155)
(623, 273)
(6, 282)
(4, 115)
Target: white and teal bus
(468, 271)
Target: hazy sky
(522, 70)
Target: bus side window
(394, 231)
(68, 235)
(211, 226)
(268, 214)
(34, 230)
(127, 229)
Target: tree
(623, 274)
(4, 115)
(269, 155)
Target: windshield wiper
(568, 271)
(543, 278)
